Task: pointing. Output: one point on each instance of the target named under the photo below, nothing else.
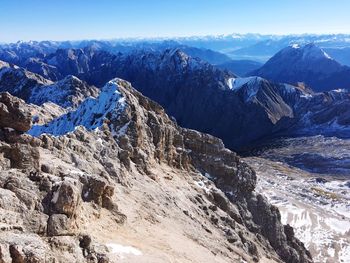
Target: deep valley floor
(308, 179)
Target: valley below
(307, 178)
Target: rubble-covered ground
(308, 179)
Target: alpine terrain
(228, 148)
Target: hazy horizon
(81, 20)
(161, 38)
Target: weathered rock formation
(129, 174)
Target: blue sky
(105, 19)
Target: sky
(108, 19)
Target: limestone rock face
(58, 225)
(193, 150)
(213, 158)
(12, 114)
(237, 180)
(66, 198)
(124, 171)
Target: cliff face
(127, 183)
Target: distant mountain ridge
(255, 47)
(30, 54)
(309, 64)
(34, 88)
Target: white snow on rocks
(90, 114)
(56, 93)
(250, 85)
(237, 83)
(309, 51)
(295, 46)
(318, 210)
(122, 251)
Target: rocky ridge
(189, 88)
(77, 196)
(33, 88)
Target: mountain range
(103, 143)
(255, 47)
(189, 88)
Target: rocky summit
(116, 179)
(33, 88)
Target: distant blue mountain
(309, 64)
(337, 45)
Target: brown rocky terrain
(137, 188)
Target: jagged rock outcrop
(237, 180)
(68, 92)
(27, 214)
(12, 115)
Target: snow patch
(121, 250)
(55, 197)
(204, 185)
(340, 226)
(121, 131)
(249, 85)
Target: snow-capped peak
(311, 51)
(306, 52)
(4, 64)
(67, 92)
(295, 46)
(90, 114)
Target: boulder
(100, 191)
(59, 225)
(12, 113)
(66, 198)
